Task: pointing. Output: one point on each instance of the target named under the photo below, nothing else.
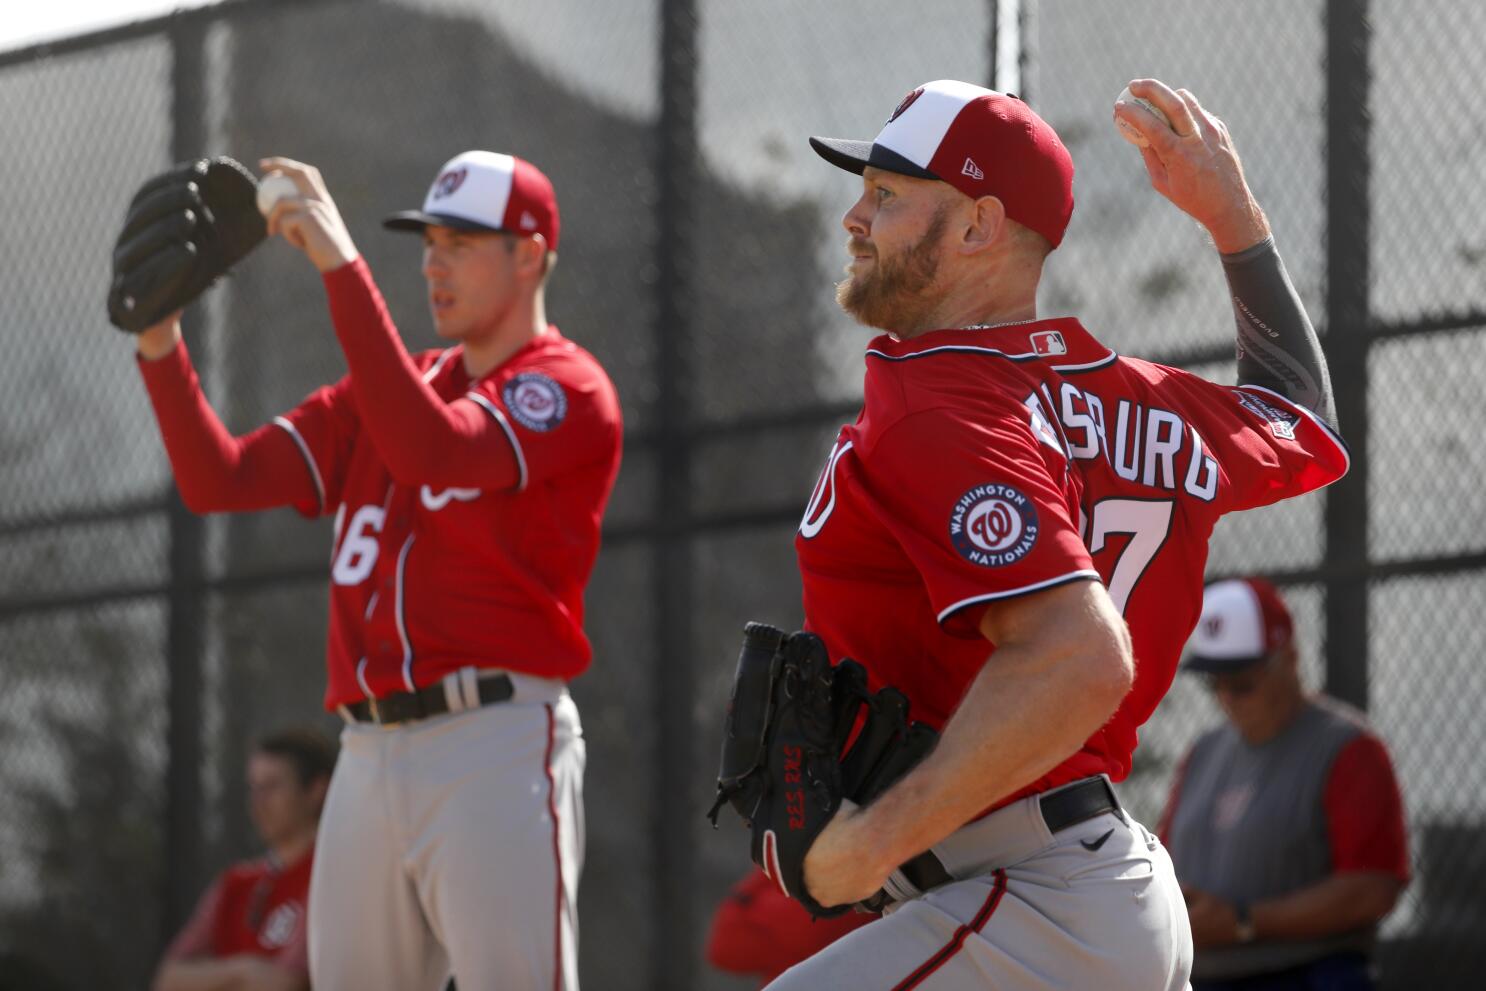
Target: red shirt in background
(255, 907)
(759, 930)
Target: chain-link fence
(143, 649)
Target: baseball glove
(185, 228)
(785, 763)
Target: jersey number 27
(1148, 523)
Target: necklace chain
(993, 326)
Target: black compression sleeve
(1277, 346)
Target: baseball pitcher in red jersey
(467, 486)
(1012, 495)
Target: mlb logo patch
(1049, 342)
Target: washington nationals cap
(1244, 620)
(486, 191)
(981, 142)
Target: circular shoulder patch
(536, 401)
(993, 525)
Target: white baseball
(273, 188)
(1128, 131)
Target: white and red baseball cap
(486, 191)
(981, 142)
(1244, 621)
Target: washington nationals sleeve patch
(536, 401)
(1282, 422)
(993, 525)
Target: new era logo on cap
(981, 142)
(484, 190)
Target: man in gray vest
(1285, 824)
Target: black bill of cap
(416, 220)
(1198, 664)
(855, 156)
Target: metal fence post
(993, 43)
(1348, 78)
(1028, 55)
(186, 635)
(676, 173)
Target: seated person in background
(758, 930)
(248, 930)
(1285, 824)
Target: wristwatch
(1243, 928)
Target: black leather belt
(1068, 807)
(405, 707)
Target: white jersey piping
(1010, 593)
(304, 450)
(505, 425)
(402, 622)
(438, 363)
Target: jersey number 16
(358, 553)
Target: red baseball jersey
(994, 463)
(467, 511)
(941, 497)
(255, 907)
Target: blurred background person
(761, 932)
(1285, 823)
(248, 931)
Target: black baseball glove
(785, 763)
(185, 228)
